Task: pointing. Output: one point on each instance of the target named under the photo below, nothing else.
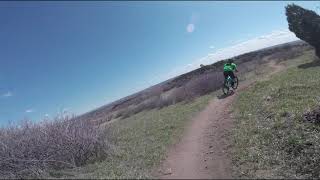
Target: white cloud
(46, 115)
(190, 28)
(264, 41)
(211, 47)
(8, 94)
(253, 44)
(30, 110)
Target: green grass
(140, 141)
(270, 138)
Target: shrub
(312, 116)
(204, 84)
(33, 150)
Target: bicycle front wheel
(225, 89)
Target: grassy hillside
(68, 148)
(271, 139)
(140, 141)
(191, 85)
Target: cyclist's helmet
(230, 60)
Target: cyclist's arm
(235, 67)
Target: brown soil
(203, 151)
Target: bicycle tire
(236, 83)
(225, 89)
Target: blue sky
(77, 56)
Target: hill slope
(141, 141)
(190, 85)
(271, 137)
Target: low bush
(33, 150)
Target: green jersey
(229, 67)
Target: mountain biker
(228, 69)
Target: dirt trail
(202, 153)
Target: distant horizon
(75, 57)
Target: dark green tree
(305, 24)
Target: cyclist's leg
(232, 77)
(225, 74)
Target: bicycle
(228, 88)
